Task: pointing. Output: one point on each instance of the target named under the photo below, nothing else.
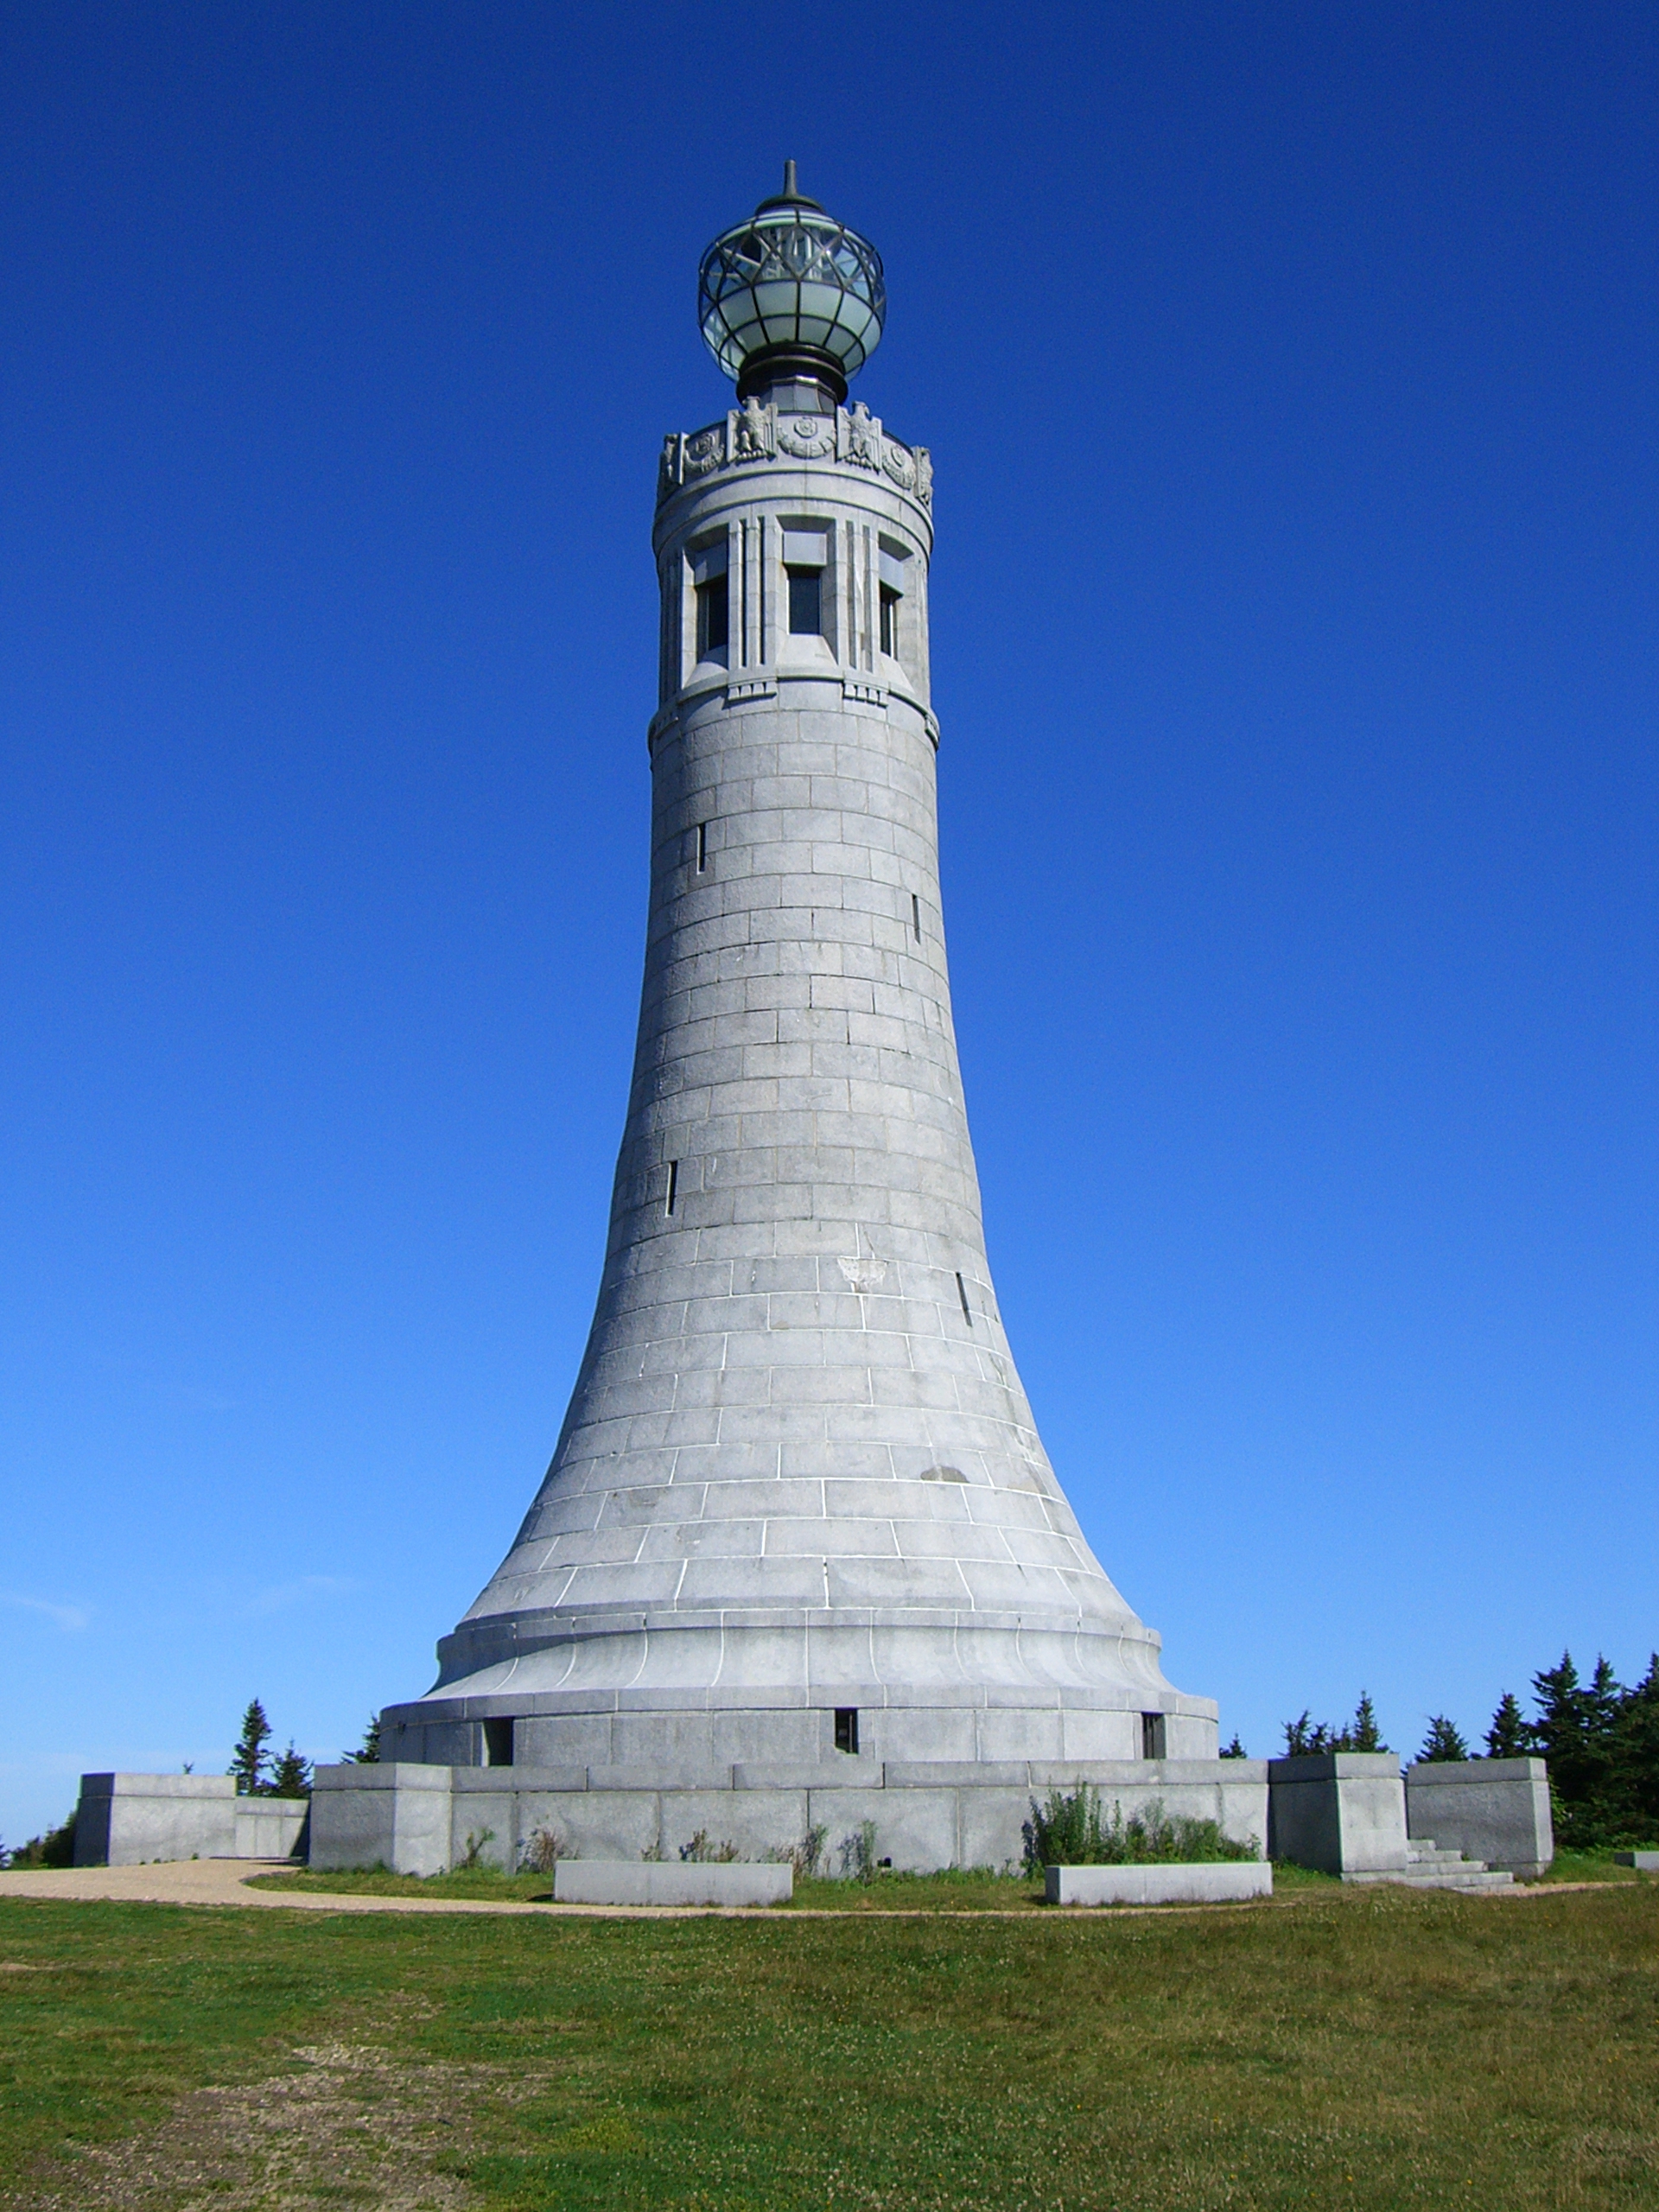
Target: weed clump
(1073, 1831)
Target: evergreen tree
(1632, 1797)
(1509, 1736)
(291, 1777)
(1442, 1742)
(1303, 1736)
(1364, 1735)
(1576, 1731)
(1235, 1750)
(249, 1759)
(368, 1752)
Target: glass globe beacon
(791, 293)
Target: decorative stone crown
(852, 437)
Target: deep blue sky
(1290, 376)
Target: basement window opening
(847, 1729)
(498, 1742)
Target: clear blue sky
(1290, 375)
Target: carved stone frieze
(752, 432)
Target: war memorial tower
(799, 1531)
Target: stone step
(1458, 1874)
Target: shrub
(543, 1852)
(1071, 1831)
(471, 1858)
(700, 1852)
(55, 1848)
(804, 1856)
(858, 1853)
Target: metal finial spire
(792, 190)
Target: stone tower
(799, 1507)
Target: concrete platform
(1195, 1884)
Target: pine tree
(291, 1777)
(249, 1759)
(1509, 1736)
(1577, 1731)
(368, 1752)
(1632, 1797)
(1442, 1742)
(1235, 1750)
(1364, 1735)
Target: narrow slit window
(702, 846)
(961, 1293)
(916, 917)
(889, 621)
(673, 1185)
(713, 617)
(847, 1729)
(1151, 1736)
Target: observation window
(847, 1729)
(805, 603)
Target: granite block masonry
(799, 1511)
(1494, 1810)
(134, 1820)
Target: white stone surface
(620, 1881)
(1645, 1862)
(131, 1820)
(798, 1472)
(1492, 1810)
(1341, 1812)
(420, 1820)
(1197, 1884)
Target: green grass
(1370, 2048)
(1591, 1866)
(974, 1890)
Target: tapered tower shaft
(800, 1495)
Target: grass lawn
(1363, 2048)
(975, 1889)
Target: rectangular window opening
(713, 604)
(889, 621)
(805, 603)
(847, 1729)
(673, 1185)
(961, 1293)
(916, 917)
(498, 1742)
(1153, 1735)
(702, 846)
